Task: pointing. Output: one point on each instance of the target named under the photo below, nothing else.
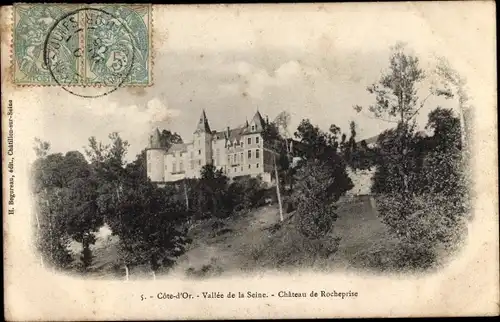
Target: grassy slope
(248, 242)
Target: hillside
(253, 241)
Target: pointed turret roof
(154, 139)
(258, 119)
(203, 124)
(259, 122)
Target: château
(240, 151)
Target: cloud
(155, 111)
(255, 81)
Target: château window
(249, 166)
(257, 165)
(257, 153)
(241, 157)
(257, 140)
(241, 143)
(249, 154)
(199, 162)
(181, 166)
(199, 152)
(241, 169)
(249, 141)
(253, 127)
(173, 167)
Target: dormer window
(253, 128)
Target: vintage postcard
(249, 161)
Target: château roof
(178, 147)
(259, 124)
(233, 134)
(203, 126)
(154, 139)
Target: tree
(321, 179)
(41, 148)
(81, 215)
(168, 138)
(316, 142)
(79, 203)
(431, 217)
(390, 176)
(212, 192)
(137, 170)
(451, 84)
(108, 164)
(319, 186)
(246, 193)
(282, 121)
(51, 239)
(446, 129)
(275, 141)
(149, 227)
(396, 101)
(146, 218)
(443, 168)
(66, 205)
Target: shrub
(288, 248)
(427, 226)
(319, 185)
(246, 193)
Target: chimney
(228, 132)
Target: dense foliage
(419, 181)
(76, 197)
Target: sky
(313, 61)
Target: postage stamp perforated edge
(14, 67)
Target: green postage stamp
(82, 45)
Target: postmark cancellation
(82, 45)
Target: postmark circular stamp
(90, 52)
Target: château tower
(202, 141)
